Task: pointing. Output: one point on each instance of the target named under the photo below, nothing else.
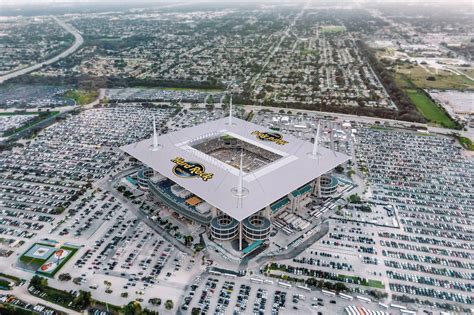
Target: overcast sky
(469, 3)
(22, 2)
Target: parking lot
(51, 185)
(51, 171)
(223, 295)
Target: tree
(84, 299)
(132, 308)
(354, 198)
(188, 240)
(338, 286)
(38, 282)
(169, 304)
(350, 172)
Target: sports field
(46, 259)
(332, 28)
(429, 109)
(407, 76)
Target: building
(233, 176)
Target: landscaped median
(13, 279)
(81, 301)
(39, 117)
(466, 142)
(5, 284)
(311, 276)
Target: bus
(284, 285)
(256, 280)
(385, 306)
(328, 293)
(400, 307)
(302, 287)
(364, 299)
(345, 296)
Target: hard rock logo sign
(270, 136)
(186, 169)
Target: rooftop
(215, 180)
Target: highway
(78, 41)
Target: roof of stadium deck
(216, 183)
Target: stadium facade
(234, 176)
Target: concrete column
(240, 235)
(267, 212)
(319, 187)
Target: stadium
(234, 177)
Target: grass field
(30, 262)
(468, 71)
(429, 109)
(375, 284)
(369, 283)
(4, 284)
(34, 264)
(63, 262)
(82, 97)
(19, 113)
(409, 76)
(13, 309)
(466, 143)
(13, 278)
(309, 52)
(332, 29)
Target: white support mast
(230, 111)
(155, 146)
(241, 176)
(316, 141)
(240, 191)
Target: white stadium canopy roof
(295, 168)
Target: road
(296, 250)
(277, 46)
(367, 119)
(78, 41)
